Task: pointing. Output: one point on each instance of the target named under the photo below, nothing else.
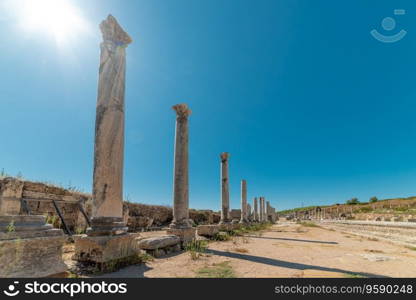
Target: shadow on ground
(289, 265)
(294, 240)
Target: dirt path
(288, 250)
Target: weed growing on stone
(10, 227)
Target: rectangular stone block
(102, 249)
(207, 230)
(158, 242)
(32, 257)
(185, 234)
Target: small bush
(309, 224)
(196, 248)
(222, 236)
(219, 270)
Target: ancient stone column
(225, 194)
(255, 213)
(268, 210)
(181, 174)
(109, 130)
(249, 214)
(261, 209)
(243, 218)
(107, 240)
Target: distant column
(249, 214)
(225, 193)
(256, 212)
(243, 218)
(181, 174)
(268, 210)
(261, 209)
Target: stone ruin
(30, 247)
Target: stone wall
(39, 195)
(145, 216)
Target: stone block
(102, 249)
(207, 230)
(158, 242)
(11, 190)
(225, 227)
(185, 234)
(32, 257)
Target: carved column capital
(182, 111)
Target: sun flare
(60, 18)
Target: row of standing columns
(260, 211)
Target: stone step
(23, 220)
(25, 227)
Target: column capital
(224, 156)
(182, 110)
(112, 32)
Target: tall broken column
(225, 193)
(107, 190)
(107, 238)
(256, 212)
(243, 218)
(180, 225)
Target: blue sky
(311, 107)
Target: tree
(353, 201)
(373, 199)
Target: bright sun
(58, 17)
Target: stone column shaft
(225, 193)
(109, 124)
(261, 209)
(243, 218)
(181, 174)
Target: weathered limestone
(108, 240)
(161, 245)
(109, 129)
(158, 242)
(105, 248)
(207, 230)
(256, 212)
(225, 193)
(181, 225)
(243, 218)
(181, 180)
(11, 191)
(235, 215)
(29, 247)
(249, 213)
(268, 214)
(262, 216)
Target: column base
(182, 224)
(107, 226)
(29, 247)
(102, 250)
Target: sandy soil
(289, 250)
